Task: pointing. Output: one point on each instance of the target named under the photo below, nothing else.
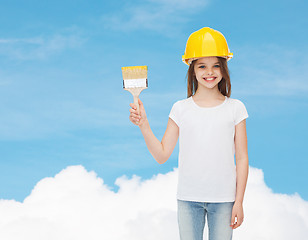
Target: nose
(209, 72)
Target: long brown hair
(224, 86)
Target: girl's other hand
(135, 117)
(238, 213)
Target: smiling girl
(211, 128)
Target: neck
(208, 93)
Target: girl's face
(207, 71)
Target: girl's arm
(161, 151)
(242, 168)
(241, 156)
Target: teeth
(209, 79)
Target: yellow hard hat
(206, 42)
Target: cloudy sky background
(67, 143)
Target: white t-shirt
(207, 171)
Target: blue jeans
(191, 220)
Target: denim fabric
(192, 217)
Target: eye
(201, 66)
(216, 66)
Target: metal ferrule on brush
(134, 83)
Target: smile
(209, 79)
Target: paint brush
(135, 80)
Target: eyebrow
(205, 64)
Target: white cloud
(154, 15)
(270, 70)
(32, 120)
(4, 83)
(27, 117)
(180, 4)
(39, 47)
(76, 204)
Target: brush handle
(136, 102)
(135, 92)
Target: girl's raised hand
(135, 117)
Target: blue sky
(61, 96)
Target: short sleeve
(175, 113)
(240, 112)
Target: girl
(211, 128)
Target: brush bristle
(135, 72)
